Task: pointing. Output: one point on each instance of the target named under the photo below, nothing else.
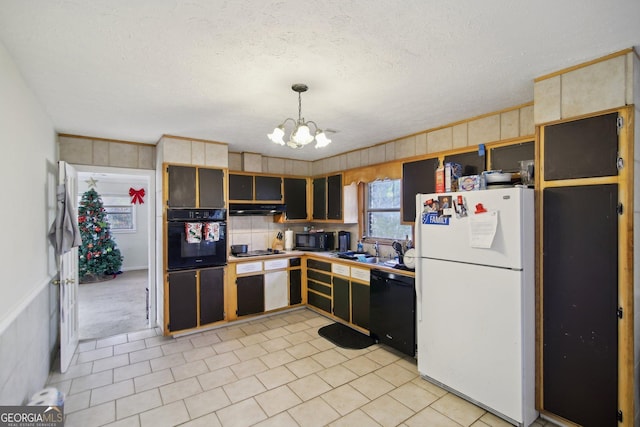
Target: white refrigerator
(476, 297)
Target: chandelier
(301, 135)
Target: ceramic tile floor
(273, 371)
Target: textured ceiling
(222, 70)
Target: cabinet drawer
(320, 277)
(276, 264)
(340, 269)
(318, 265)
(248, 267)
(319, 301)
(294, 262)
(361, 274)
(319, 287)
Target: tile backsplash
(258, 232)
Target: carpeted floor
(113, 307)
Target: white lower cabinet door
(276, 294)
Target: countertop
(329, 256)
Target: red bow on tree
(136, 195)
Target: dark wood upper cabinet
(255, 187)
(320, 198)
(240, 187)
(182, 186)
(507, 158)
(334, 197)
(417, 177)
(268, 187)
(472, 163)
(583, 148)
(327, 197)
(211, 188)
(295, 198)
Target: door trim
(155, 288)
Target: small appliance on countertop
(318, 241)
(288, 240)
(278, 241)
(259, 252)
(241, 251)
(344, 241)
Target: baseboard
(133, 268)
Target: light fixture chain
(299, 107)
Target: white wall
(133, 245)
(28, 308)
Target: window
(121, 218)
(382, 213)
(121, 214)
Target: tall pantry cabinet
(587, 354)
(192, 174)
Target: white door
(68, 278)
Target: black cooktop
(259, 252)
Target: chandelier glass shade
(301, 133)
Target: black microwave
(321, 241)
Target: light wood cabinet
(265, 285)
(341, 290)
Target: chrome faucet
(376, 248)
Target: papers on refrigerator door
(482, 229)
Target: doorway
(124, 302)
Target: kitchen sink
(359, 256)
(370, 259)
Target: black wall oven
(196, 238)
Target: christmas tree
(98, 253)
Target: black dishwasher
(393, 310)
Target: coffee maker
(344, 241)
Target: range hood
(237, 209)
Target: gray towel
(64, 233)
